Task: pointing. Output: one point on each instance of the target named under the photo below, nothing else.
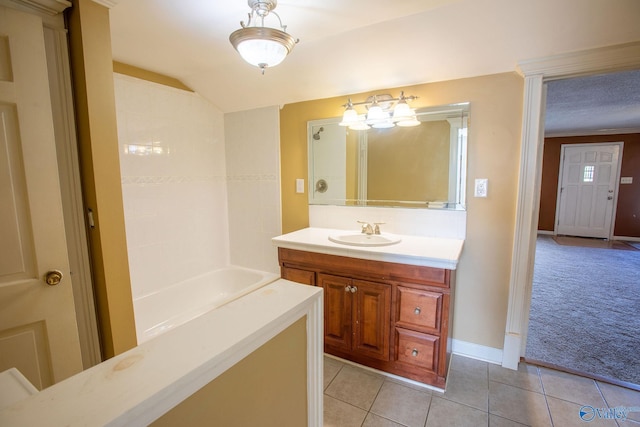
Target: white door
(38, 330)
(587, 189)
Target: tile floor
(478, 394)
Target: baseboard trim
(628, 239)
(477, 351)
(546, 232)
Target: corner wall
(495, 122)
(253, 183)
(92, 74)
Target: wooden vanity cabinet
(389, 316)
(357, 316)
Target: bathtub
(161, 311)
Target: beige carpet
(584, 309)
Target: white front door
(587, 189)
(38, 330)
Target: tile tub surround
(252, 150)
(478, 394)
(414, 250)
(136, 387)
(172, 163)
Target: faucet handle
(366, 227)
(376, 229)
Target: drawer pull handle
(417, 310)
(414, 353)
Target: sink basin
(359, 239)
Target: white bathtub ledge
(140, 385)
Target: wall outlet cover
(626, 180)
(481, 187)
(300, 185)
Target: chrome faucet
(369, 229)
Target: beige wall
(92, 70)
(267, 388)
(416, 151)
(150, 76)
(495, 122)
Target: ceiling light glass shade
(262, 46)
(378, 118)
(359, 125)
(349, 117)
(376, 113)
(383, 124)
(402, 110)
(409, 122)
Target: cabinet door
(372, 319)
(337, 311)
(297, 275)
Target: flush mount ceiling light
(259, 45)
(383, 111)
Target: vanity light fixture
(380, 113)
(259, 45)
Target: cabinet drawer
(301, 276)
(419, 309)
(417, 349)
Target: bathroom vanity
(389, 307)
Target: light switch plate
(626, 180)
(300, 185)
(481, 187)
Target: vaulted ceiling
(358, 45)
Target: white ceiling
(351, 46)
(594, 104)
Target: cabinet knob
(414, 353)
(347, 288)
(354, 289)
(417, 310)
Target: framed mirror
(423, 166)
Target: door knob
(53, 277)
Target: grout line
(374, 401)
(544, 393)
(333, 379)
(426, 420)
(604, 399)
(488, 397)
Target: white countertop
(414, 250)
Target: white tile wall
(174, 189)
(253, 184)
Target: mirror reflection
(422, 166)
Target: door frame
(56, 43)
(57, 50)
(536, 72)
(611, 224)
